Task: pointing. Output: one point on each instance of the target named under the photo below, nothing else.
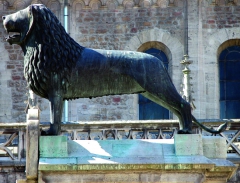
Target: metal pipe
(65, 13)
(186, 28)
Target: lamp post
(187, 91)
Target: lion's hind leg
(162, 103)
(181, 112)
(185, 111)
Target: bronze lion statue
(58, 68)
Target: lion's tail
(220, 129)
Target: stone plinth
(53, 146)
(187, 145)
(214, 147)
(132, 161)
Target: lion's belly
(97, 85)
(105, 72)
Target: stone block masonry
(132, 161)
(112, 29)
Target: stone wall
(217, 25)
(9, 174)
(236, 177)
(130, 25)
(13, 84)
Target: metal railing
(13, 135)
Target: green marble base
(183, 156)
(53, 146)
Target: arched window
(148, 109)
(229, 75)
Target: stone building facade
(213, 26)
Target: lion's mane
(48, 49)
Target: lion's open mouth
(13, 37)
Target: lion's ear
(31, 14)
(30, 11)
(31, 18)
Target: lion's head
(19, 24)
(47, 47)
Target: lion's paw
(184, 131)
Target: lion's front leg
(56, 107)
(55, 96)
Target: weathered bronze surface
(57, 68)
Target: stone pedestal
(53, 146)
(188, 145)
(184, 159)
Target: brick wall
(107, 29)
(5, 90)
(221, 17)
(13, 92)
(13, 84)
